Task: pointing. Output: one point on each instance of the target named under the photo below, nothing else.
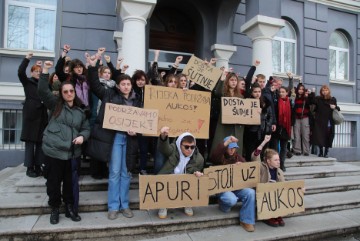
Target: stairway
(331, 188)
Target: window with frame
(284, 50)
(30, 24)
(10, 129)
(339, 57)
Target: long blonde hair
(324, 87)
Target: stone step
(92, 201)
(333, 201)
(8, 171)
(326, 226)
(336, 170)
(306, 161)
(208, 223)
(332, 184)
(87, 183)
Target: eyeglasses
(187, 147)
(68, 91)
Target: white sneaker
(188, 211)
(162, 213)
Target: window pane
(18, 27)
(46, 2)
(44, 29)
(289, 57)
(287, 32)
(337, 39)
(343, 66)
(11, 126)
(276, 56)
(332, 64)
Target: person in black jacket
(35, 118)
(139, 80)
(116, 147)
(324, 127)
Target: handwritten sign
(232, 177)
(201, 73)
(180, 110)
(279, 199)
(240, 111)
(124, 118)
(172, 191)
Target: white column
(223, 54)
(118, 36)
(134, 14)
(261, 30)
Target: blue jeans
(247, 197)
(159, 161)
(119, 178)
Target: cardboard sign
(124, 118)
(232, 177)
(240, 111)
(172, 191)
(201, 73)
(182, 111)
(279, 199)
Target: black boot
(282, 166)
(326, 152)
(54, 216)
(30, 172)
(321, 154)
(38, 171)
(69, 213)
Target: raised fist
(101, 50)
(48, 64)
(29, 55)
(67, 47)
(107, 58)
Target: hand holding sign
(202, 73)
(164, 132)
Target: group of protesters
(63, 118)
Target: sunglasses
(187, 147)
(68, 91)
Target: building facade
(317, 40)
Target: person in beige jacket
(269, 172)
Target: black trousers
(59, 172)
(33, 154)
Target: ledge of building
(24, 52)
(349, 108)
(342, 82)
(343, 4)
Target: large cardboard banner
(279, 199)
(172, 191)
(124, 118)
(201, 73)
(240, 111)
(232, 177)
(182, 111)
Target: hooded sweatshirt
(180, 168)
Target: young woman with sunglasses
(68, 128)
(182, 157)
